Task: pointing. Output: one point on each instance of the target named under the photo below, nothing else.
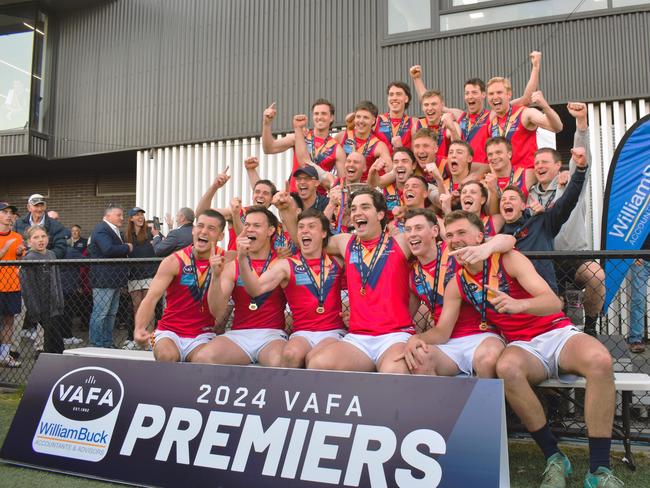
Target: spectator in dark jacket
(37, 215)
(107, 279)
(178, 238)
(139, 236)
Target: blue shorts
(10, 303)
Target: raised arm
(206, 199)
(270, 145)
(300, 145)
(533, 82)
(221, 286)
(251, 164)
(500, 243)
(416, 76)
(288, 213)
(546, 119)
(167, 270)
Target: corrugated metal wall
(138, 73)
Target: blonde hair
(33, 229)
(500, 79)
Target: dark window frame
(442, 7)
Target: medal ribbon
(511, 123)
(203, 279)
(488, 278)
(317, 154)
(365, 276)
(324, 270)
(431, 294)
(470, 129)
(264, 268)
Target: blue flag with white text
(626, 214)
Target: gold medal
(362, 291)
(252, 306)
(483, 326)
(320, 309)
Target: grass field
(526, 463)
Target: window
(410, 20)
(23, 33)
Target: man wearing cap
(178, 238)
(307, 183)
(11, 248)
(38, 216)
(107, 279)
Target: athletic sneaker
(9, 362)
(30, 334)
(72, 341)
(132, 345)
(602, 478)
(557, 469)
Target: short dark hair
(406, 151)
(317, 214)
(555, 154)
(425, 212)
(214, 215)
(270, 216)
(492, 141)
(403, 86)
(76, 225)
(368, 106)
(323, 101)
(378, 201)
(457, 215)
(516, 189)
(477, 82)
(422, 180)
(268, 183)
(465, 145)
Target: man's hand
(415, 71)
(222, 178)
(537, 98)
(396, 141)
(563, 178)
(235, 207)
(20, 250)
(578, 111)
(283, 252)
(491, 182)
(299, 122)
(579, 155)
(142, 337)
(378, 166)
(130, 246)
(414, 352)
(447, 120)
(251, 162)
(535, 59)
(536, 207)
(269, 114)
(471, 254)
(504, 303)
(282, 200)
(217, 263)
(335, 195)
(431, 169)
(445, 202)
(243, 245)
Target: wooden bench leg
(628, 459)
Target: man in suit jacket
(107, 279)
(178, 238)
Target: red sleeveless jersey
(513, 327)
(390, 127)
(382, 306)
(423, 280)
(270, 306)
(281, 238)
(524, 141)
(322, 152)
(473, 131)
(517, 177)
(302, 295)
(394, 198)
(187, 313)
(488, 225)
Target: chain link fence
(58, 305)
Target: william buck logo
(80, 415)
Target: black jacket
(55, 232)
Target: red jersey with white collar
(303, 295)
(187, 313)
(382, 306)
(270, 306)
(423, 281)
(473, 131)
(513, 327)
(523, 140)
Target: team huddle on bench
(355, 264)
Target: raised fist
(299, 121)
(416, 71)
(269, 113)
(251, 162)
(535, 58)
